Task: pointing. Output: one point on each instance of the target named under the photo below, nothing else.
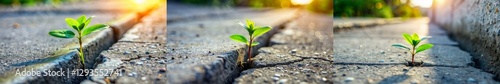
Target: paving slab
(365, 56)
(401, 74)
(140, 55)
(34, 49)
(200, 51)
(300, 53)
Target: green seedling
(414, 40)
(81, 27)
(253, 32)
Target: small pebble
(324, 72)
(293, 51)
(126, 52)
(147, 52)
(134, 51)
(392, 60)
(16, 25)
(349, 79)
(132, 74)
(140, 63)
(276, 75)
(143, 59)
(316, 54)
(162, 70)
(161, 62)
(426, 75)
(381, 61)
(323, 79)
(282, 81)
(132, 62)
(143, 78)
(152, 46)
(471, 80)
(405, 69)
(414, 82)
(276, 78)
(382, 53)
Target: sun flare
(301, 2)
(422, 3)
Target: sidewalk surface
(26, 46)
(140, 54)
(300, 53)
(365, 56)
(199, 49)
(24, 38)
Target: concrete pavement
(365, 56)
(199, 49)
(26, 44)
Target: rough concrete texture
(474, 24)
(200, 51)
(342, 24)
(365, 56)
(35, 50)
(139, 56)
(300, 53)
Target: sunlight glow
(139, 1)
(422, 3)
(301, 2)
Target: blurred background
(17, 3)
(318, 6)
(381, 8)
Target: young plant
(253, 32)
(80, 25)
(414, 40)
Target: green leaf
(93, 28)
(424, 38)
(238, 38)
(250, 24)
(81, 19)
(401, 46)
(255, 43)
(81, 27)
(72, 23)
(423, 47)
(88, 21)
(62, 33)
(260, 31)
(408, 38)
(415, 36)
(415, 39)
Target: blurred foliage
(320, 6)
(34, 2)
(375, 8)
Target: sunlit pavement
(24, 39)
(365, 56)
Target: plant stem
(81, 52)
(250, 51)
(413, 56)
